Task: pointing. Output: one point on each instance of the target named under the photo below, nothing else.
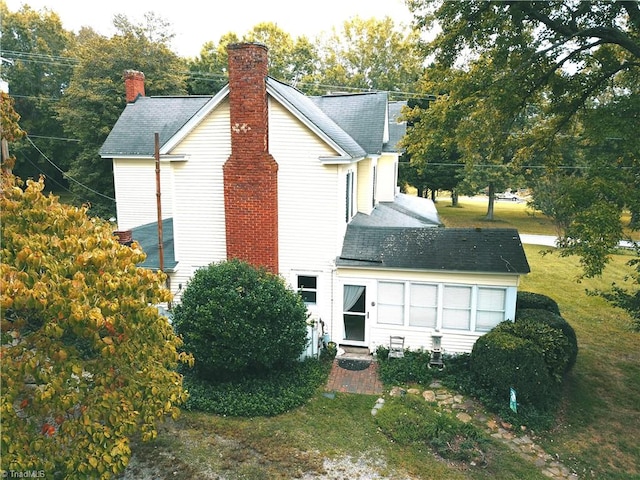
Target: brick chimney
(250, 173)
(133, 84)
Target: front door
(354, 314)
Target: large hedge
(526, 300)
(551, 342)
(556, 321)
(501, 360)
(238, 321)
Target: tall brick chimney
(133, 84)
(250, 173)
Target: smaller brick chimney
(133, 84)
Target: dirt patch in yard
(184, 452)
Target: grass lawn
(596, 432)
(600, 420)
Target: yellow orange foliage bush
(88, 363)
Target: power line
(68, 176)
(55, 138)
(194, 75)
(48, 178)
(489, 165)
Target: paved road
(546, 240)
(550, 240)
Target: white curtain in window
(351, 295)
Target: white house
(306, 187)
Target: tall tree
(564, 76)
(95, 97)
(87, 361)
(35, 65)
(289, 59)
(367, 55)
(459, 125)
(544, 71)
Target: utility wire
(194, 75)
(48, 178)
(68, 176)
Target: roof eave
(342, 160)
(370, 265)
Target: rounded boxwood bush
(238, 320)
(500, 360)
(550, 342)
(536, 300)
(555, 321)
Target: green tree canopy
(553, 87)
(95, 98)
(36, 67)
(367, 54)
(526, 82)
(87, 360)
(289, 59)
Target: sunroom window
(391, 303)
(456, 307)
(491, 308)
(423, 308)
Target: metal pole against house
(159, 203)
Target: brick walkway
(364, 381)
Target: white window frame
(391, 306)
(413, 304)
(350, 200)
(500, 312)
(303, 289)
(457, 310)
(472, 309)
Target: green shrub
(555, 321)
(413, 369)
(265, 395)
(409, 420)
(536, 300)
(500, 360)
(551, 342)
(238, 320)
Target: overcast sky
(195, 22)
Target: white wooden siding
(199, 226)
(364, 189)
(453, 341)
(135, 188)
(307, 205)
(310, 213)
(387, 177)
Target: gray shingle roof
(134, 132)
(147, 237)
(362, 115)
(354, 122)
(404, 211)
(435, 249)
